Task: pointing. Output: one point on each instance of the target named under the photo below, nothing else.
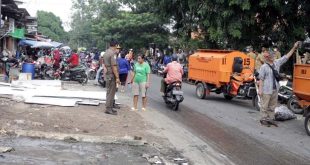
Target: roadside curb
(74, 138)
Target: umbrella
(81, 49)
(42, 45)
(65, 48)
(56, 44)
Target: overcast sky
(61, 8)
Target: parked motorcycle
(173, 95)
(161, 68)
(71, 74)
(9, 63)
(101, 80)
(185, 74)
(93, 70)
(155, 68)
(286, 96)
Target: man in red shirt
(56, 59)
(73, 60)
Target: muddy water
(48, 152)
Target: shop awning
(42, 45)
(27, 42)
(35, 44)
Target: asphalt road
(233, 128)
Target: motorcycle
(155, 67)
(185, 74)
(286, 96)
(9, 63)
(173, 95)
(71, 74)
(161, 68)
(93, 70)
(101, 80)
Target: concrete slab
(73, 94)
(34, 84)
(89, 102)
(52, 101)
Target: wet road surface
(50, 152)
(233, 128)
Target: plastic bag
(282, 113)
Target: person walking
(111, 76)
(124, 68)
(269, 84)
(140, 81)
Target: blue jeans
(98, 73)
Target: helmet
(102, 54)
(174, 57)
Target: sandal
(264, 123)
(134, 109)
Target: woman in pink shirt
(174, 72)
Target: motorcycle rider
(56, 59)
(73, 60)
(174, 72)
(102, 67)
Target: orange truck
(222, 71)
(301, 88)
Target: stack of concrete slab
(50, 92)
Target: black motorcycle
(173, 95)
(9, 63)
(286, 96)
(71, 74)
(101, 80)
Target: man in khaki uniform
(277, 52)
(260, 59)
(112, 76)
(250, 52)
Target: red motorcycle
(92, 72)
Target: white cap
(101, 54)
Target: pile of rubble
(49, 92)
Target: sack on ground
(282, 113)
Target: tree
(95, 24)
(236, 23)
(50, 25)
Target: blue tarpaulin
(27, 42)
(39, 44)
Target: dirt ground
(81, 120)
(90, 120)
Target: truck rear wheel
(307, 123)
(201, 91)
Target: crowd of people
(123, 68)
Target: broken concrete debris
(153, 159)
(50, 92)
(6, 149)
(126, 140)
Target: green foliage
(51, 26)
(236, 23)
(94, 24)
(223, 23)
